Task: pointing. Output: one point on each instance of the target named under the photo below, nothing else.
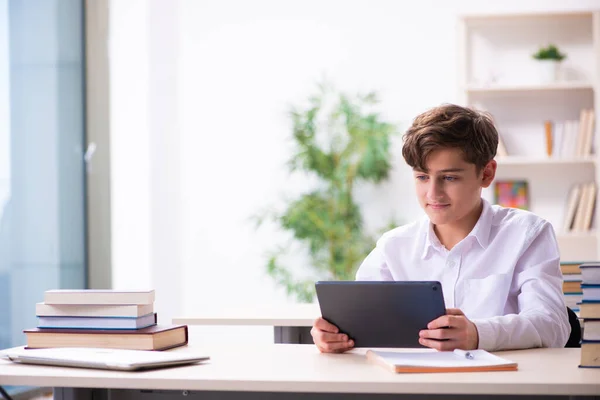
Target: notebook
(440, 361)
(116, 359)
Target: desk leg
(293, 335)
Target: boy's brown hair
(451, 126)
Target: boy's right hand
(328, 339)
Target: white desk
(291, 324)
(301, 372)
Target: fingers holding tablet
(328, 339)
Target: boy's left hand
(451, 331)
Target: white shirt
(505, 275)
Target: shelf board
(524, 160)
(528, 87)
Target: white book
(572, 203)
(591, 329)
(589, 133)
(589, 207)
(572, 278)
(590, 273)
(579, 221)
(91, 296)
(583, 116)
(570, 139)
(93, 310)
(558, 134)
(572, 300)
(97, 322)
(590, 292)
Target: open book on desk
(440, 361)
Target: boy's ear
(489, 173)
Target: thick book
(590, 273)
(570, 268)
(101, 297)
(97, 322)
(440, 361)
(591, 330)
(590, 292)
(571, 286)
(93, 310)
(573, 300)
(589, 309)
(157, 337)
(590, 354)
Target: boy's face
(450, 190)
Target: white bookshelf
(498, 74)
(492, 88)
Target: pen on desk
(464, 353)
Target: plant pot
(548, 70)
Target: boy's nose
(435, 192)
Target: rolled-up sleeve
(542, 320)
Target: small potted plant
(549, 59)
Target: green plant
(549, 53)
(341, 141)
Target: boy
(499, 267)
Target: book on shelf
(570, 138)
(548, 135)
(585, 132)
(97, 322)
(572, 204)
(156, 337)
(440, 361)
(99, 297)
(93, 310)
(580, 208)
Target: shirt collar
(481, 231)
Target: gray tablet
(381, 314)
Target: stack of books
(590, 312)
(572, 284)
(102, 318)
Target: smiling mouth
(438, 206)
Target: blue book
(97, 322)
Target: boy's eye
(450, 178)
(421, 177)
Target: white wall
(241, 64)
